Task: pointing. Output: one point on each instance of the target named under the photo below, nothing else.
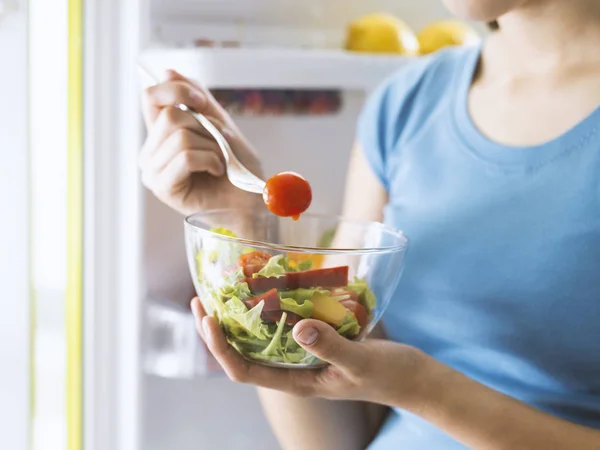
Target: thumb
(325, 343)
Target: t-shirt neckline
(493, 152)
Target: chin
(481, 10)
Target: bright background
(48, 119)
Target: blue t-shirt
(502, 280)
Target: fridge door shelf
(231, 68)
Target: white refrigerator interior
(179, 407)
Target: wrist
(421, 382)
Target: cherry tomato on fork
(287, 194)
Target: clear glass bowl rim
(401, 246)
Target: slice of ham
(333, 277)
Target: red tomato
(358, 310)
(287, 194)
(275, 316)
(253, 262)
(271, 299)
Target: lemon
(445, 33)
(381, 33)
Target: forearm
(309, 424)
(312, 423)
(333, 425)
(485, 419)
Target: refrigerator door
(165, 391)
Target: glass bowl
(259, 274)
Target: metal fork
(237, 173)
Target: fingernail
(167, 74)
(308, 336)
(195, 308)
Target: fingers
(178, 146)
(170, 93)
(168, 121)
(179, 90)
(213, 106)
(298, 382)
(199, 314)
(175, 177)
(181, 141)
(324, 342)
(172, 121)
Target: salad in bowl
(259, 286)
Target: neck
(548, 33)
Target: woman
(489, 159)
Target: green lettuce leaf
(350, 327)
(290, 343)
(304, 310)
(292, 353)
(223, 231)
(275, 348)
(239, 290)
(249, 321)
(366, 295)
(199, 265)
(213, 305)
(302, 294)
(297, 266)
(226, 252)
(303, 265)
(297, 356)
(275, 267)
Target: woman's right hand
(180, 161)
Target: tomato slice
(358, 310)
(271, 299)
(253, 262)
(334, 277)
(287, 194)
(275, 316)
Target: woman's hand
(180, 161)
(397, 375)
(375, 371)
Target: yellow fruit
(445, 33)
(295, 258)
(381, 33)
(328, 309)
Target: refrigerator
(149, 383)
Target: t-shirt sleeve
(383, 119)
(371, 131)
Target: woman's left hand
(375, 371)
